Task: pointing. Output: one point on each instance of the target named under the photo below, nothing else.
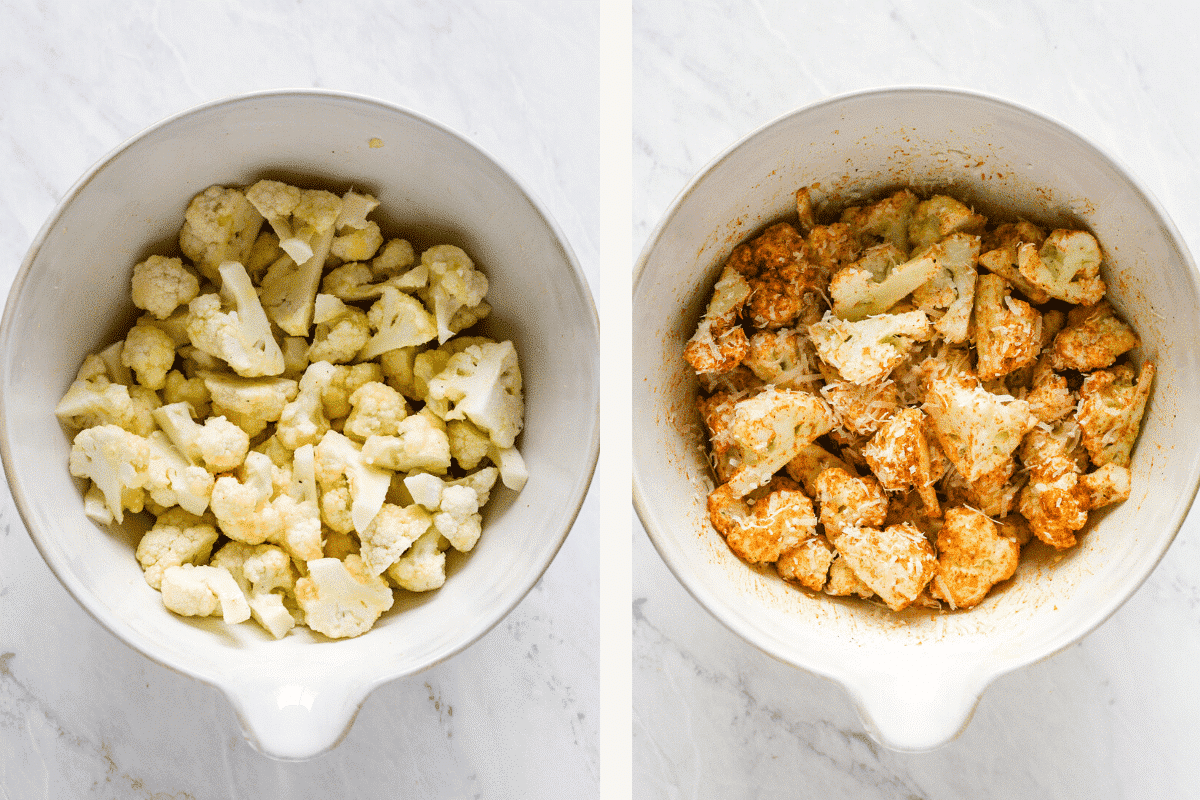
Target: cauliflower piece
(483, 382)
(399, 320)
(977, 430)
(843, 582)
(178, 537)
(341, 459)
(160, 285)
(1053, 502)
(1066, 266)
(861, 409)
(878, 281)
(867, 350)
(767, 431)
(423, 567)
(259, 571)
(355, 208)
(421, 442)
(249, 403)
(1110, 411)
(1008, 331)
(298, 509)
(376, 410)
(952, 287)
(174, 481)
(289, 288)
(896, 562)
(783, 357)
(390, 534)
(1049, 397)
(335, 396)
(203, 591)
(1000, 256)
(265, 252)
(396, 257)
(218, 444)
(810, 462)
(303, 420)
(1107, 485)
(785, 286)
(972, 558)
(719, 343)
(807, 563)
(220, 225)
(513, 472)
(117, 461)
(397, 367)
(770, 521)
(468, 444)
(939, 217)
(341, 331)
(242, 338)
(179, 388)
(355, 281)
(847, 501)
(887, 219)
(458, 517)
(454, 284)
(828, 248)
(1093, 338)
(359, 244)
(150, 353)
(95, 400)
(243, 506)
(341, 598)
(900, 457)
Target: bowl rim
(360, 689)
(643, 500)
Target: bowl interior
(996, 156)
(72, 296)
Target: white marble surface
(81, 714)
(1113, 716)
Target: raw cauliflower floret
(938, 217)
(896, 562)
(423, 567)
(1110, 411)
(204, 591)
(303, 420)
(807, 563)
(952, 287)
(458, 517)
(249, 403)
(1008, 331)
(396, 257)
(483, 384)
(421, 442)
(218, 444)
(242, 504)
(116, 461)
(468, 444)
(261, 570)
(95, 400)
(178, 537)
(357, 245)
(887, 219)
(867, 350)
(241, 337)
(178, 388)
(160, 285)
(783, 357)
(878, 281)
(1066, 266)
(900, 457)
(174, 481)
(719, 343)
(220, 225)
(341, 598)
(847, 501)
(999, 256)
(768, 430)
(772, 520)
(977, 430)
(973, 557)
(346, 378)
(454, 284)
(356, 281)
(391, 533)
(355, 208)
(376, 410)
(1093, 338)
(339, 459)
(341, 331)
(399, 320)
(150, 353)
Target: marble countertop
(1112, 716)
(514, 715)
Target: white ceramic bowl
(297, 697)
(916, 677)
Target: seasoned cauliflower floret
(220, 225)
(1054, 502)
(938, 217)
(1066, 266)
(178, 537)
(809, 463)
(1107, 485)
(847, 501)
(1093, 338)
(878, 281)
(768, 430)
(999, 256)
(899, 456)
(843, 582)
(862, 408)
(719, 343)
(952, 288)
(977, 430)
(160, 285)
(972, 558)
(887, 219)
(807, 563)
(1008, 331)
(341, 598)
(897, 562)
(1050, 398)
(760, 527)
(784, 285)
(1110, 411)
(867, 350)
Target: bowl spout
(292, 718)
